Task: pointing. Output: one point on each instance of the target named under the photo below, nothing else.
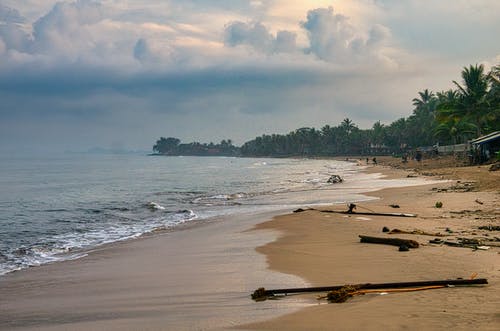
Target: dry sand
(324, 249)
(200, 278)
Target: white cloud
(333, 38)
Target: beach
(324, 249)
(146, 284)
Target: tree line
(453, 116)
(173, 146)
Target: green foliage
(172, 146)
(472, 109)
(448, 117)
(439, 204)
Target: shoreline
(324, 249)
(142, 284)
(197, 278)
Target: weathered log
(352, 212)
(419, 232)
(490, 227)
(369, 213)
(263, 294)
(389, 241)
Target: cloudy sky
(122, 73)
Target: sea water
(58, 207)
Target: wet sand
(196, 279)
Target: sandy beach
(147, 285)
(324, 249)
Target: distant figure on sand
(418, 156)
(374, 160)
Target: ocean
(56, 208)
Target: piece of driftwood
(262, 294)
(351, 211)
(389, 241)
(463, 242)
(369, 213)
(347, 292)
(419, 232)
(490, 227)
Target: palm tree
(377, 134)
(425, 102)
(455, 132)
(448, 108)
(494, 96)
(421, 123)
(472, 102)
(347, 125)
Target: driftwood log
(300, 210)
(419, 232)
(389, 241)
(370, 213)
(262, 294)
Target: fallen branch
(347, 292)
(389, 241)
(419, 232)
(369, 213)
(490, 227)
(262, 294)
(352, 212)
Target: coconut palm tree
(472, 103)
(425, 102)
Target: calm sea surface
(56, 208)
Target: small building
(486, 147)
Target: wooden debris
(262, 294)
(475, 244)
(352, 212)
(335, 179)
(370, 213)
(389, 241)
(347, 292)
(418, 232)
(494, 167)
(490, 227)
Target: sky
(121, 73)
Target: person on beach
(418, 156)
(374, 160)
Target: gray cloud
(258, 37)
(11, 32)
(82, 73)
(10, 15)
(141, 50)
